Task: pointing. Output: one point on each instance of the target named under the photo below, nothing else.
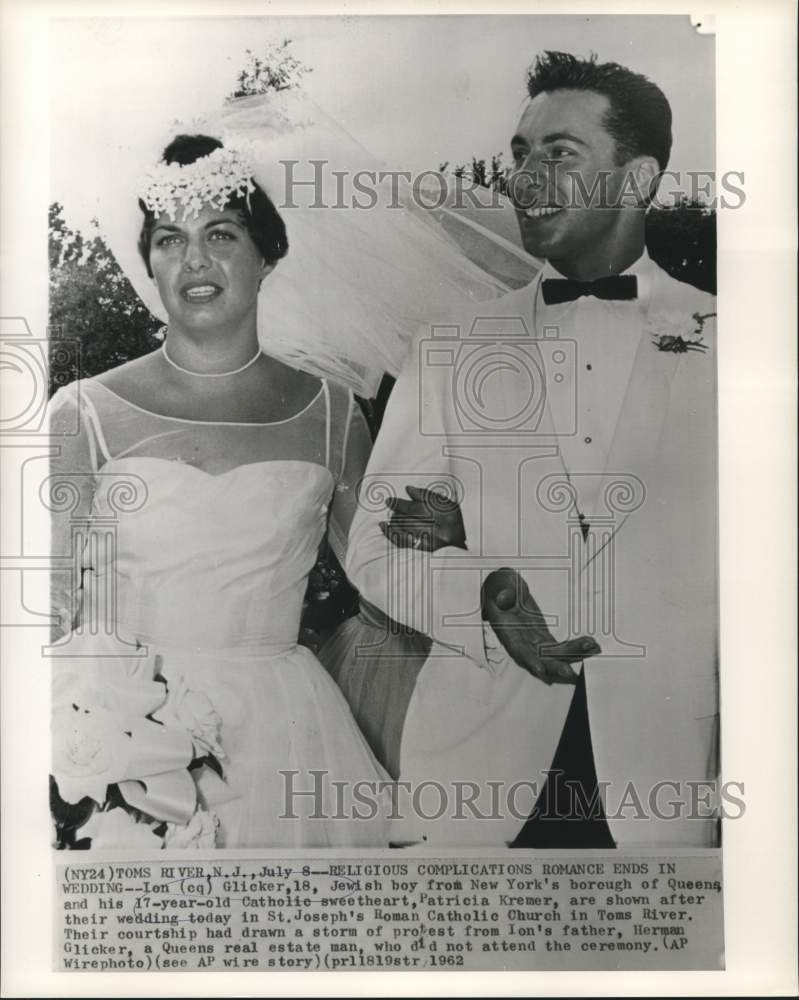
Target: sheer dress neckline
(181, 463)
(216, 423)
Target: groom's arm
(436, 593)
(413, 566)
(429, 521)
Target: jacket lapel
(632, 458)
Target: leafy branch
(277, 69)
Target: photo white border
(756, 93)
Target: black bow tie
(618, 286)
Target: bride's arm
(70, 490)
(356, 452)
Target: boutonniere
(678, 334)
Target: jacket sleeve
(438, 593)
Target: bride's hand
(428, 521)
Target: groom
(569, 585)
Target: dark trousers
(569, 814)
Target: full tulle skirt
(296, 771)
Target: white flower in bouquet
(192, 711)
(199, 832)
(126, 689)
(117, 828)
(90, 752)
(95, 746)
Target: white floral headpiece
(210, 181)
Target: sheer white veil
(371, 259)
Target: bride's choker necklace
(187, 371)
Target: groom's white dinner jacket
(580, 439)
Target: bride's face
(207, 268)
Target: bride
(195, 485)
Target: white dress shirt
(607, 334)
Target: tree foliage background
(680, 238)
(97, 320)
(277, 68)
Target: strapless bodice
(209, 561)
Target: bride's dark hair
(260, 217)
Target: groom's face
(562, 152)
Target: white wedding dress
(197, 541)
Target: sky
(415, 91)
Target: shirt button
(588, 440)
(589, 367)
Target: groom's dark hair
(639, 118)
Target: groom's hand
(428, 521)
(519, 625)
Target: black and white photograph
(523, 495)
(377, 426)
